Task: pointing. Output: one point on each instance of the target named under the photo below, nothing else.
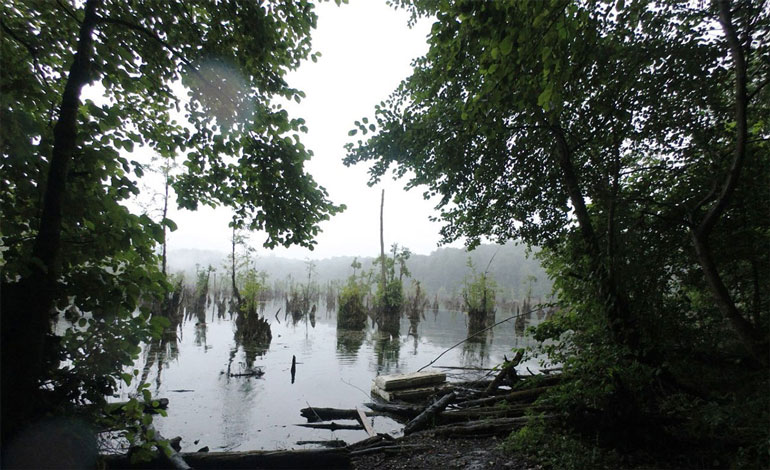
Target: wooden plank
(411, 394)
(365, 423)
(413, 380)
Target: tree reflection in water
(387, 343)
(476, 348)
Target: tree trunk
(236, 294)
(27, 305)
(383, 278)
(623, 325)
(700, 233)
(164, 246)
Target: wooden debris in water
(413, 380)
(331, 426)
(330, 444)
(424, 418)
(314, 415)
(365, 423)
(411, 394)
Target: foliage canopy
(199, 82)
(629, 139)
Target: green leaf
(352, 132)
(544, 99)
(506, 46)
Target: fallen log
(508, 369)
(314, 415)
(309, 458)
(423, 419)
(545, 380)
(373, 441)
(391, 449)
(478, 369)
(330, 444)
(305, 458)
(475, 414)
(332, 426)
(482, 428)
(518, 395)
(174, 457)
(400, 409)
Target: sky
(366, 50)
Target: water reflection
(475, 350)
(252, 334)
(241, 412)
(387, 347)
(349, 342)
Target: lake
(335, 368)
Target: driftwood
(545, 380)
(490, 412)
(423, 419)
(483, 369)
(306, 458)
(508, 369)
(332, 426)
(314, 458)
(313, 415)
(481, 428)
(373, 441)
(174, 459)
(400, 409)
(389, 449)
(330, 444)
(518, 395)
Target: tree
(69, 240)
(628, 139)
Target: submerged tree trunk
(27, 304)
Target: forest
(625, 142)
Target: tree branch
(152, 35)
(741, 131)
(30, 48)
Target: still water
(335, 368)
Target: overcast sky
(367, 49)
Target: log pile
(484, 408)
